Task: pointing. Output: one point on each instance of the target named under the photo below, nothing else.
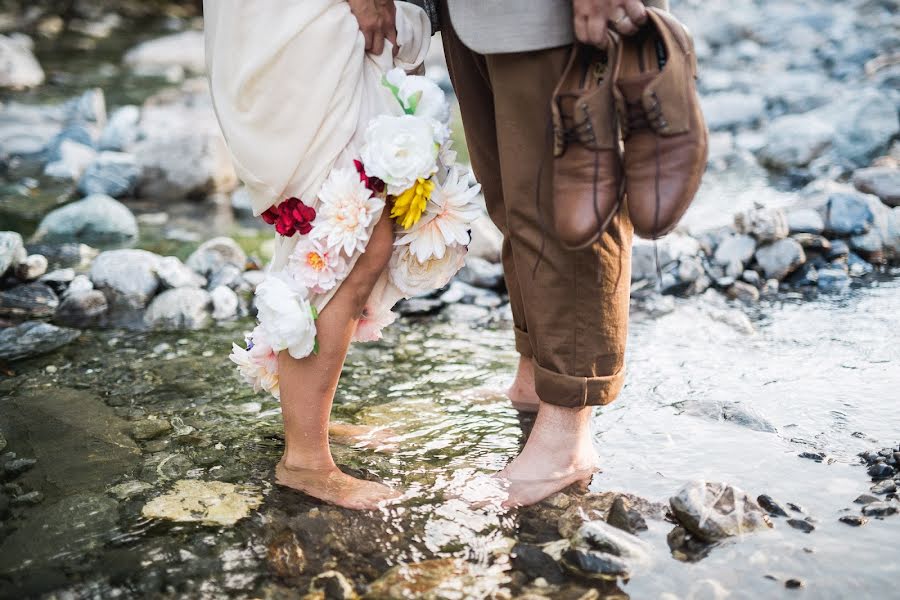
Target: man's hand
(376, 20)
(593, 17)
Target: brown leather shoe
(663, 130)
(587, 170)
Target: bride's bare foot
(558, 453)
(362, 436)
(335, 487)
(521, 393)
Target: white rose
(285, 315)
(399, 150)
(413, 277)
(420, 95)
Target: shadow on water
(115, 418)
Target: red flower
(291, 216)
(373, 183)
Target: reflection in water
(703, 400)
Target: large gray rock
(884, 182)
(795, 140)
(225, 303)
(735, 249)
(19, 68)
(28, 301)
(179, 308)
(764, 224)
(848, 214)
(121, 132)
(175, 274)
(177, 164)
(82, 308)
(779, 259)
(32, 338)
(715, 511)
(128, 280)
(97, 219)
(184, 50)
(726, 110)
(216, 253)
(12, 250)
(112, 173)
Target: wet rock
(880, 471)
(81, 309)
(17, 466)
(780, 258)
(801, 525)
(225, 303)
(128, 280)
(72, 161)
(216, 253)
(832, 281)
(884, 487)
(333, 585)
(28, 301)
(735, 249)
(173, 273)
(534, 562)
(771, 506)
(727, 110)
(481, 273)
(19, 69)
(854, 520)
(112, 174)
(752, 277)
(812, 242)
(64, 255)
(32, 498)
(121, 131)
(883, 182)
(97, 219)
(179, 308)
(594, 565)
(228, 276)
(12, 250)
(764, 224)
(182, 50)
(793, 584)
(865, 124)
(437, 578)
(285, 556)
(713, 511)
(795, 140)
(207, 502)
(150, 429)
(848, 214)
(596, 506)
(866, 499)
(605, 538)
(743, 292)
(623, 517)
(129, 489)
(33, 338)
(839, 249)
(32, 267)
(879, 509)
(805, 220)
(486, 240)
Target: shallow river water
(705, 399)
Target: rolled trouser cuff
(523, 343)
(572, 391)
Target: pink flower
(373, 320)
(258, 363)
(290, 217)
(316, 267)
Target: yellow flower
(409, 206)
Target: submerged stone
(438, 578)
(33, 338)
(206, 502)
(594, 565)
(713, 511)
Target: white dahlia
(286, 318)
(315, 266)
(346, 209)
(412, 276)
(258, 363)
(400, 150)
(447, 219)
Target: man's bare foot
(335, 487)
(558, 453)
(521, 393)
(362, 436)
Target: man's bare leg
(558, 453)
(308, 386)
(521, 393)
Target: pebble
(848, 214)
(32, 267)
(879, 509)
(225, 303)
(623, 517)
(81, 309)
(883, 182)
(886, 486)
(801, 525)
(833, 281)
(805, 220)
(780, 258)
(179, 308)
(150, 429)
(113, 174)
(771, 506)
(880, 471)
(866, 499)
(594, 565)
(696, 507)
(33, 338)
(735, 248)
(17, 466)
(333, 585)
(28, 301)
(743, 291)
(28, 499)
(854, 520)
(764, 224)
(793, 584)
(214, 254)
(534, 562)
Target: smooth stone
(868, 243)
(764, 224)
(833, 281)
(19, 69)
(880, 471)
(225, 303)
(173, 273)
(80, 283)
(623, 517)
(752, 277)
(879, 509)
(74, 158)
(853, 520)
(17, 466)
(150, 429)
(32, 267)
(884, 487)
(212, 255)
(157, 56)
(32, 498)
(481, 273)
(847, 214)
(81, 309)
(608, 539)
(780, 258)
(66, 255)
(801, 525)
(438, 578)
(128, 280)
(805, 220)
(883, 182)
(121, 131)
(713, 511)
(743, 292)
(129, 489)
(206, 502)
(813, 242)
(690, 269)
(795, 140)
(727, 110)
(97, 219)
(32, 338)
(839, 249)
(793, 584)
(113, 174)
(29, 300)
(735, 248)
(534, 562)
(12, 250)
(866, 499)
(596, 506)
(865, 123)
(228, 276)
(771, 506)
(594, 565)
(179, 308)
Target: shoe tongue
(633, 87)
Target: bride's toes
(335, 487)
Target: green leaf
(394, 89)
(314, 311)
(413, 103)
(316, 347)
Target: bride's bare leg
(308, 386)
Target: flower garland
(406, 163)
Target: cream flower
(258, 363)
(346, 209)
(286, 318)
(413, 277)
(447, 219)
(316, 267)
(400, 150)
(374, 319)
(419, 95)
